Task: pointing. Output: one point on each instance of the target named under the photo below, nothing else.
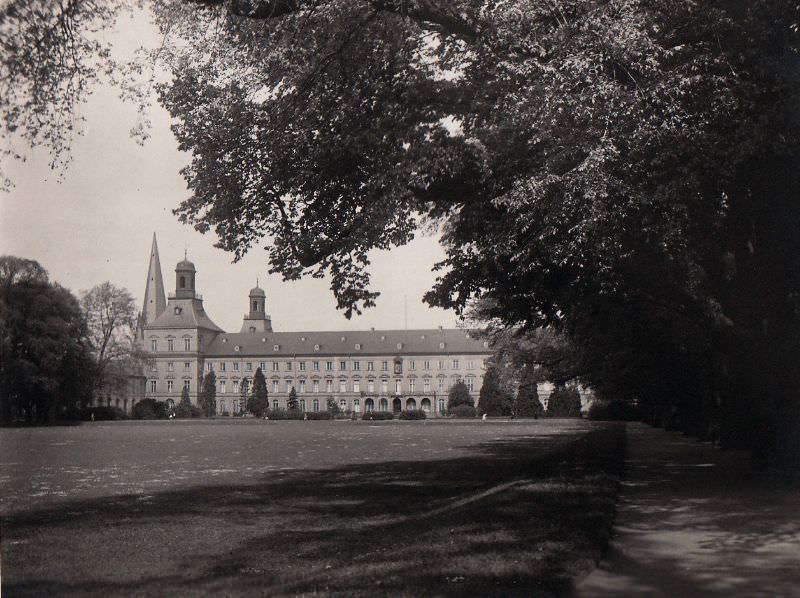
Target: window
(187, 344)
(343, 405)
(249, 366)
(255, 305)
(170, 367)
(316, 405)
(412, 365)
(302, 386)
(411, 384)
(315, 385)
(302, 366)
(356, 366)
(316, 347)
(441, 405)
(235, 386)
(275, 386)
(263, 366)
(187, 365)
(276, 347)
(170, 344)
(288, 366)
(328, 385)
(153, 366)
(342, 366)
(426, 385)
(471, 383)
(455, 364)
(315, 365)
(235, 366)
(370, 366)
(275, 366)
(221, 366)
(153, 385)
(187, 384)
(442, 364)
(485, 364)
(356, 386)
(356, 405)
(398, 367)
(371, 386)
(288, 386)
(210, 367)
(169, 385)
(222, 387)
(426, 365)
(328, 366)
(342, 385)
(154, 345)
(275, 404)
(384, 386)
(302, 404)
(398, 386)
(385, 366)
(441, 383)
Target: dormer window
(236, 348)
(276, 347)
(399, 346)
(316, 347)
(441, 345)
(358, 346)
(178, 311)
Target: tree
(258, 402)
(43, 345)
(564, 402)
(603, 170)
(111, 318)
(494, 398)
(459, 395)
(527, 403)
(292, 404)
(332, 406)
(208, 394)
(185, 409)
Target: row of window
(187, 344)
(328, 366)
(369, 405)
(187, 384)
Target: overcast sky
(97, 224)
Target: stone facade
(381, 370)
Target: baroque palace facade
(380, 370)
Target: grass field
(248, 507)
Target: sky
(95, 221)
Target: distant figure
(305, 417)
(484, 417)
(92, 415)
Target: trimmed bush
(377, 415)
(412, 414)
(284, 414)
(319, 415)
(462, 411)
(564, 402)
(149, 409)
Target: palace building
(370, 370)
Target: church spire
(155, 301)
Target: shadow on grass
(517, 517)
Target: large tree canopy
(619, 171)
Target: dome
(257, 292)
(185, 265)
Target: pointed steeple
(155, 301)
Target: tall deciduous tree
(527, 403)
(111, 318)
(43, 347)
(459, 395)
(495, 397)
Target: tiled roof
(192, 315)
(362, 342)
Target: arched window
(183, 282)
(255, 305)
(384, 405)
(316, 405)
(357, 405)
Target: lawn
(248, 507)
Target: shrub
(318, 415)
(377, 415)
(613, 411)
(284, 414)
(149, 409)
(462, 411)
(459, 395)
(412, 414)
(564, 402)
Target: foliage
(258, 402)
(292, 404)
(527, 403)
(281, 414)
(149, 409)
(613, 411)
(495, 397)
(412, 414)
(185, 409)
(564, 402)
(208, 394)
(318, 415)
(332, 406)
(462, 410)
(377, 415)
(459, 395)
(44, 358)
